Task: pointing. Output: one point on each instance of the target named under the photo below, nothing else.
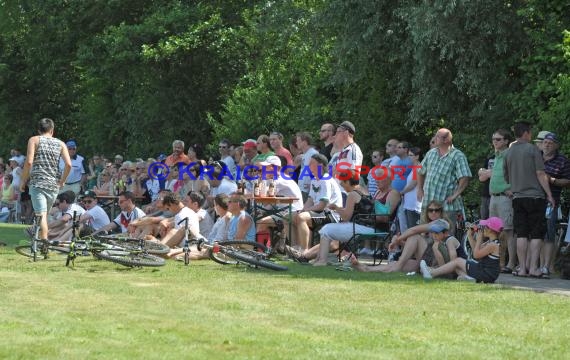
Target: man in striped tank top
(41, 169)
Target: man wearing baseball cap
(78, 175)
(540, 138)
(350, 154)
(94, 217)
(557, 169)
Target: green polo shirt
(262, 157)
(498, 183)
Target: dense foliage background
(129, 76)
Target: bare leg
(303, 220)
(511, 243)
(522, 244)
(456, 265)
(535, 245)
(43, 234)
(548, 254)
(414, 246)
(173, 237)
(323, 251)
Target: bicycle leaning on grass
(117, 248)
(38, 249)
(241, 252)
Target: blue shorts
(42, 199)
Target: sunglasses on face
(434, 209)
(87, 201)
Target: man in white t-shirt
(94, 217)
(174, 237)
(195, 200)
(324, 191)
(218, 185)
(129, 212)
(226, 158)
(305, 144)
(60, 228)
(350, 154)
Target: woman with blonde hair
(416, 244)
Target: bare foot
(357, 265)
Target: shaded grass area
(103, 310)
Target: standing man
(444, 175)
(276, 141)
(400, 168)
(305, 144)
(524, 170)
(226, 158)
(501, 202)
(263, 149)
(390, 152)
(41, 168)
(377, 157)
(78, 173)
(177, 155)
(557, 169)
(326, 135)
(350, 155)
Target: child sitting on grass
(486, 268)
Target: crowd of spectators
(519, 180)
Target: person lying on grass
(485, 268)
(416, 242)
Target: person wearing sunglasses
(485, 265)
(94, 217)
(416, 244)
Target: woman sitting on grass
(416, 244)
(334, 233)
(486, 268)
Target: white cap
(271, 160)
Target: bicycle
(241, 252)
(186, 242)
(37, 246)
(115, 248)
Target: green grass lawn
(101, 310)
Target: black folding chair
(380, 237)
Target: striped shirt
(442, 174)
(559, 168)
(45, 173)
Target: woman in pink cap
(485, 265)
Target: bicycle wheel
(151, 247)
(255, 261)
(221, 258)
(26, 250)
(131, 259)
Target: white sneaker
(466, 278)
(425, 270)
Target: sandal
(506, 270)
(517, 273)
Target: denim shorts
(42, 199)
